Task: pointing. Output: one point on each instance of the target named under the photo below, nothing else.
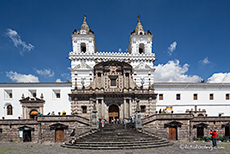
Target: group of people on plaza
(163, 111)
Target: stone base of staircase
(116, 137)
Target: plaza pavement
(177, 148)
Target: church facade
(118, 83)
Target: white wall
(213, 107)
(51, 103)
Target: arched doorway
(26, 133)
(113, 112)
(173, 129)
(33, 114)
(59, 131)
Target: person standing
(214, 135)
(124, 121)
(160, 111)
(102, 122)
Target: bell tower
(84, 46)
(140, 45)
(84, 40)
(140, 42)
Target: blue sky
(191, 38)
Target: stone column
(128, 108)
(121, 109)
(23, 112)
(94, 117)
(124, 109)
(102, 108)
(90, 105)
(138, 121)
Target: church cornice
(189, 84)
(112, 56)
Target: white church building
(25, 100)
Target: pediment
(142, 66)
(82, 66)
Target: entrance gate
(113, 112)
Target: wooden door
(113, 112)
(59, 135)
(173, 133)
(200, 131)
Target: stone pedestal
(93, 118)
(138, 121)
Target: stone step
(118, 148)
(137, 142)
(117, 145)
(114, 136)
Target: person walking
(72, 135)
(214, 135)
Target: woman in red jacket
(214, 135)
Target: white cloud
(205, 61)
(13, 35)
(66, 75)
(58, 80)
(171, 48)
(14, 76)
(119, 49)
(173, 72)
(45, 72)
(219, 77)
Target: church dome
(84, 26)
(139, 27)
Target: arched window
(33, 114)
(83, 47)
(200, 115)
(141, 48)
(9, 110)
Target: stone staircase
(115, 137)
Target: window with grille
(8, 94)
(160, 96)
(57, 93)
(177, 96)
(227, 96)
(195, 97)
(9, 110)
(32, 93)
(211, 96)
